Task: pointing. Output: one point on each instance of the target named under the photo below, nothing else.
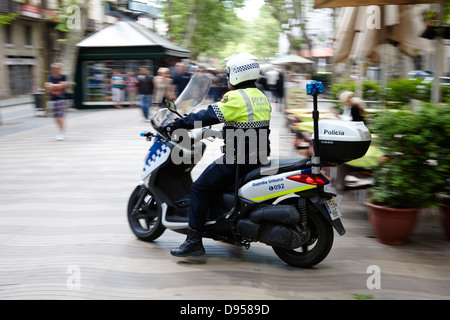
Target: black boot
(192, 246)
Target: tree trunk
(76, 32)
(291, 13)
(198, 7)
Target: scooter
(282, 204)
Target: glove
(169, 128)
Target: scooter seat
(275, 167)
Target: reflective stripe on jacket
(244, 109)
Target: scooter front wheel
(318, 246)
(144, 215)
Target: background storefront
(20, 72)
(98, 74)
(122, 47)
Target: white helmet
(242, 67)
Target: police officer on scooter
(245, 112)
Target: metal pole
(436, 93)
(314, 88)
(315, 115)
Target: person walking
(353, 109)
(180, 78)
(56, 85)
(261, 83)
(145, 90)
(163, 87)
(280, 90)
(131, 89)
(272, 78)
(117, 90)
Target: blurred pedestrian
(180, 78)
(272, 77)
(163, 87)
(353, 107)
(215, 90)
(280, 88)
(145, 90)
(118, 89)
(56, 85)
(131, 89)
(353, 111)
(262, 83)
(223, 82)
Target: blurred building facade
(29, 43)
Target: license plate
(333, 209)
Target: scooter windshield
(191, 97)
(194, 93)
(161, 118)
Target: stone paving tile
(63, 212)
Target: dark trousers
(205, 189)
(145, 101)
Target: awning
(317, 53)
(356, 3)
(404, 46)
(291, 59)
(401, 25)
(126, 33)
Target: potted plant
(444, 211)
(407, 178)
(442, 190)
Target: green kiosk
(120, 47)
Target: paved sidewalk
(63, 214)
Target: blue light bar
(314, 87)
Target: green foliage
(6, 19)
(211, 40)
(212, 28)
(337, 88)
(447, 13)
(325, 78)
(417, 149)
(262, 34)
(446, 94)
(62, 16)
(362, 296)
(203, 26)
(371, 90)
(291, 14)
(398, 92)
(403, 90)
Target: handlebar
(147, 134)
(196, 135)
(204, 133)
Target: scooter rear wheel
(318, 246)
(146, 222)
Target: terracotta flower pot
(391, 225)
(444, 211)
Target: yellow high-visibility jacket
(245, 113)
